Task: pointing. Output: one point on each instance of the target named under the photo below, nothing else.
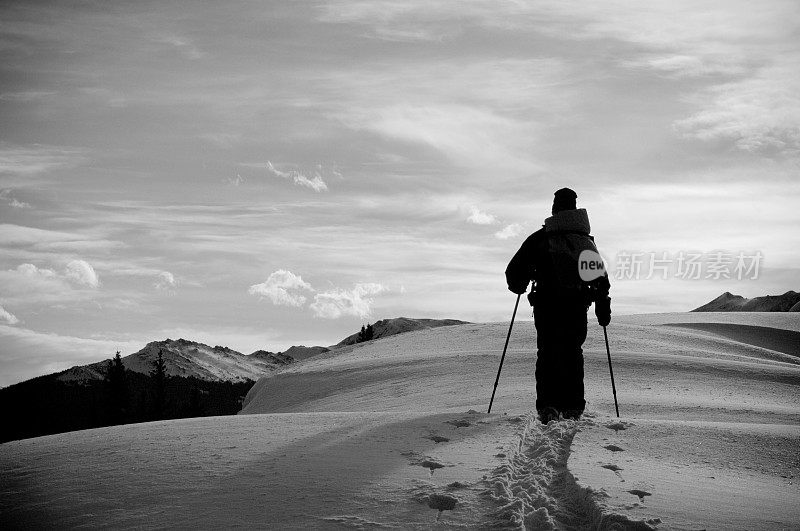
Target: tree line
(47, 405)
(366, 333)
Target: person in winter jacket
(560, 305)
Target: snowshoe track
(535, 490)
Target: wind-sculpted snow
(779, 340)
(713, 474)
(284, 471)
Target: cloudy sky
(263, 174)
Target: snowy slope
(692, 474)
(381, 435)
(401, 325)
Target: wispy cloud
(29, 284)
(236, 181)
(32, 243)
(284, 288)
(759, 114)
(316, 183)
(15, 203)
(6, 195)
(81, 272)
(509, 231)
(22, 235)
(389, 21)
(683, 65)
(480, 217)
(281, 288)
(26, 95)
(681, 24)
(7, 318)
(165, 281)
(32, 160)
(116, 99)
(27, 353)
(339, 302)
(468, 136)
(183, 45)
(31, 271)
(161, 280)
(481, 116)
(222, 139)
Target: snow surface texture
(392, 434)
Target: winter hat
(564, 200)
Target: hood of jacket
(568, 221)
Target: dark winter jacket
(532, 261)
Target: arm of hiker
(602, 306)
(519, 272)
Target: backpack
(578, 269)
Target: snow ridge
(535, 489)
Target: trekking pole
(500, 368)
(611, 370)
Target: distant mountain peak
(728, 302)
(277, 358)
(301, 352)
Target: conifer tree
(159, 375)
(117, 389)
(194, 409)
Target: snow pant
(560, 333)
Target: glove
(519, 289)
(602, 309)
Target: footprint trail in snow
(534, 489)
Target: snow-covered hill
(392, 434)
(400, 325)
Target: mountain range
(728, 302)
(190, 359)
(201, 380)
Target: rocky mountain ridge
(728, 302)
(186, 358)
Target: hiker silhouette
(553, 258)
